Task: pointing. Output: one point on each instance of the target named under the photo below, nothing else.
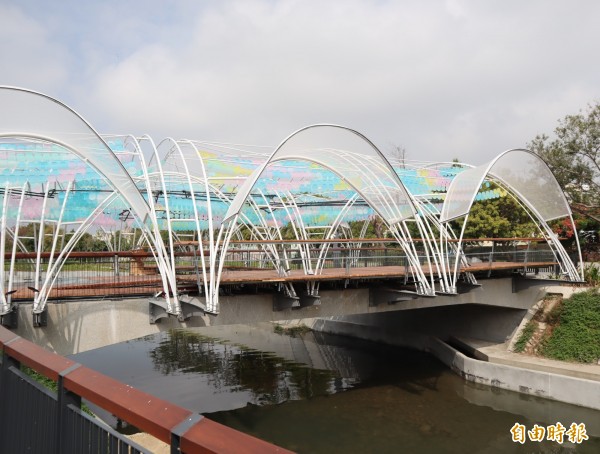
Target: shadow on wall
(412, 328)
(78, 326)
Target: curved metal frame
(372, 178)
(487, 172)
(396, 224)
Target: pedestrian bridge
(368, 263)
(85, 215)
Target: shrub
(577, 337)
(591, 274)
(553, 316)
(525, 335)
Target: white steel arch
(529, 179)
(356, 160)
(29, 114)
(227, 178)
(337, 148)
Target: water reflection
(228, 367)
(333, 394)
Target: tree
(397, 155)
(499, 218)
(574, 158)
(90, 243)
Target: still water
(315, 393)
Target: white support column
(4, 306)
(40, 248)
(15, 239)
(44, 292)
(331, 232)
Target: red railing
(181, 428)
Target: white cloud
(456, 8)
(28, 56)
(444, 79)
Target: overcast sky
(443, 79)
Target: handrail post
(491, 259)
(65, 398)
(347, 260)
(178, 431)
(7, 363)
(116, 264)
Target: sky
(441, 79)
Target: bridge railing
(509, 254)
(374, 255)
(34, 418)
(128, 273)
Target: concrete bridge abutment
(492, 312)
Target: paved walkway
(499, 354)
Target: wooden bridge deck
(371, 272)
(148, 284)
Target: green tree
(89, 243)
(499, 218)
(574, 158)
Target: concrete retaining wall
(78, 326)
(412, 328)
(576, 391)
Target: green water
(321, 393)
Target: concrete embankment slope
(537, 378)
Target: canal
(319, 393)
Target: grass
(50, 384)
(292, 331)
(525, 336)
(577, 334)
(591, 274)
(47, 382)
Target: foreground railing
(37, 420)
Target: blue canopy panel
(322, 192)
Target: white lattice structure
(59, 175)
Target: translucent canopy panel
(531, 179)
(302, 189)
(48, 167)
(24, 113)
(219, 161)
(222, 166)
(462, 192)
(523, 172)
(351, 156)
(231, 161)
(128, 150)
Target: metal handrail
(184, 430)
(101, 274)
